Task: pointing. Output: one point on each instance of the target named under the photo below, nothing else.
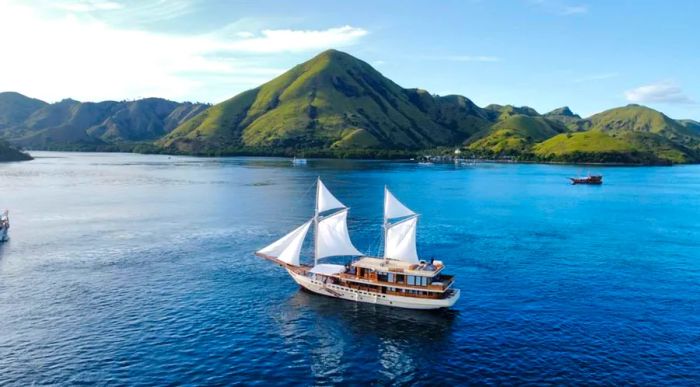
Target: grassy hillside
(692, 128)
(335, 105)
(455, 112)
(513, 135)
(636, 118)
(15, 108)
(333, 101)
(565, 116)
(599, 146)
(496, 112)
(71, 124)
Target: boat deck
(395, 266)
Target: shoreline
(464, 162)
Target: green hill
(71, 124)
(496, 112)
(627, 147)
(333, 101)
(572, 121)
(15, 108)
(339, 106)
(693, 127)
(636, 118)
(513, 135)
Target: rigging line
(302, 196)
(375, 242)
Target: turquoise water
(135, 269)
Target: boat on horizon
(590, 179)
(398, 278)
(4, 226)
(298, 161)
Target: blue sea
(139, 270)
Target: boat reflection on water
(345, 333)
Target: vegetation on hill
(513, 135)
(333, 101)
(15, 108)
(572, 121)
(636, 118)
(335, 105)
(74, 125)
(599, 146)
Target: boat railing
(444, 283)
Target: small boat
(298, 161)
(4, 226)
(399, 278)
(425, 160)
(590, 179)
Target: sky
(585, 54)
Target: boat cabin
(389, 276)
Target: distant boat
(298, 161)
(398, 279)
(425, 160)
(4, 226)
(590, 179)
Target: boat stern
(452, 298)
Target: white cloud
(87, 5)
(77, 55)
(663, 91)
(245, 34)
(298, 40)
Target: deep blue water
(134, 269)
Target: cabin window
(382, 277)
(424, 281)
(390, 277)
(399, 278)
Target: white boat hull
(350, 294)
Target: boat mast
(385, 223)
(318, 191)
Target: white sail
(332, 237)
(325, 200)
(288, 248)
(393, 208)
(400, 241)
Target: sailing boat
(398, 279)
(590, 179)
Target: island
(336, 105)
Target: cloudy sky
(589, 55)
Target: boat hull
(3, 235)
(343, 292)
(592, 180)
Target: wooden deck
(448, 280)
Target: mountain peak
(333, 59)
(562, 111)
(333, 52)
